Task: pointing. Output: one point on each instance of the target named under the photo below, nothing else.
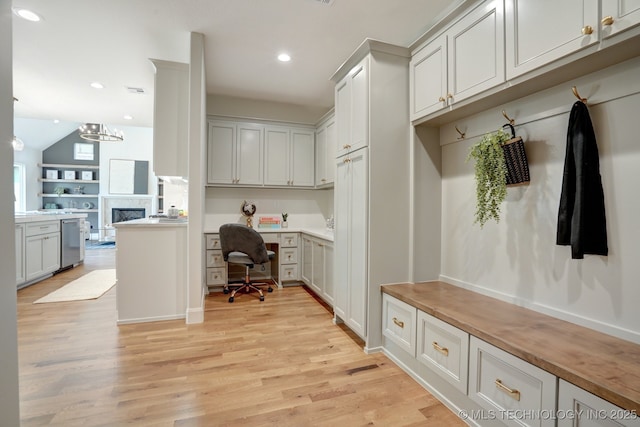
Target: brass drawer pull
(511, 392)
(398, 322)
(607, 20)
(587, 29)
(443, 350)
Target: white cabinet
(42, 249)
(350, 206)
(288, 257)
(352, 101)
(399, 323)
(325, 152)
(20, 254)
(289, 157)
(317, 266)
(235, 153)
(501, 382)
(618, 16)
(584, 409)
(539, 32)
(465, 60)
(170, 118)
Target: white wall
(30, 157)
(517, 259)
(9, 403)
(306, 208)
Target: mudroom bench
(497, 363)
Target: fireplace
(126, 214)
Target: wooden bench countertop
(604, 365)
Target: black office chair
(243, 245)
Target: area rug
(101, 245)
(90, 286)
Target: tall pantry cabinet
(371, 190)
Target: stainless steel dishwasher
(70, 243)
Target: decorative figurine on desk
(248, 210)
(285, 224)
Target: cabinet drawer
(502, 382)
(288, 256)
(399, 323)
(212, 241)
(215, 259)
(216, 276)
(587, 409)
(289, 240)
(289, 272)
(444, 349)
(37, 228)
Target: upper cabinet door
(428, 78)
(249, 154)
(276, 156)
(476, 52)
(360, 105)
(541, 31)
(221, 153)
(302, 158)
(343, 116)
(619, 15)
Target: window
(19, 187)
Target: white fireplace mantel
(107, 203)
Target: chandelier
(100, 133)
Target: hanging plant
(490, 174)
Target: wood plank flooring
(281, 362)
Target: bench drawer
(399, 323)
(445, 349)
(502, 382)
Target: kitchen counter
(35, 216)
(152, 222)
(321, 233)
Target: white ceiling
(79, 42)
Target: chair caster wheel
(261, 297)
(225, 291)
(270, 289)
(230, 299)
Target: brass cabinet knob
(441, 99)
(587, 29)
(449, 96)
(607, 20)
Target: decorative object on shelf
(79, 189)
(490, 174)
(87, 205)
(69, 174)
(59, 191)
(87, 175)
(100, 133)
(515, 158)
(53, 174)
(285, 224)
(248, 209)
(17, 144)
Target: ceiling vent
(325, 2)
(136, 90)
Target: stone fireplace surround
(107, 231)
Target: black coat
(581, 217)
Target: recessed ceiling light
(127, 117)
(27, 14)
(97, 85)
(56, 121)
(284, 57)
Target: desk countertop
(320, 233)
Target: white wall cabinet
(326, 152)
(289, 157)
(351, 224)
(20, 254)
(170, 118)
(42, 249)
(317, 267)
(352, 106)
(465, 60)
(618, 16)
(235, 153)
(539, 32)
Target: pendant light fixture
(17, 144)
(100, 133)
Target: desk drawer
(213, 241)
(215, 276)
(444, 349)
(288, 256)
(215, 259)
(37, 228)
(399, 323)
(289, 272)
(502, 382)
(289, 240)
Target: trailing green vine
(490, 174)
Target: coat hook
(575, 92)
(511, 121)
(460, 132)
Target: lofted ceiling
(80, 42)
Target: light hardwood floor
(281, 362)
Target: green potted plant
(59, 191)
(490, 175)
(285, 224)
